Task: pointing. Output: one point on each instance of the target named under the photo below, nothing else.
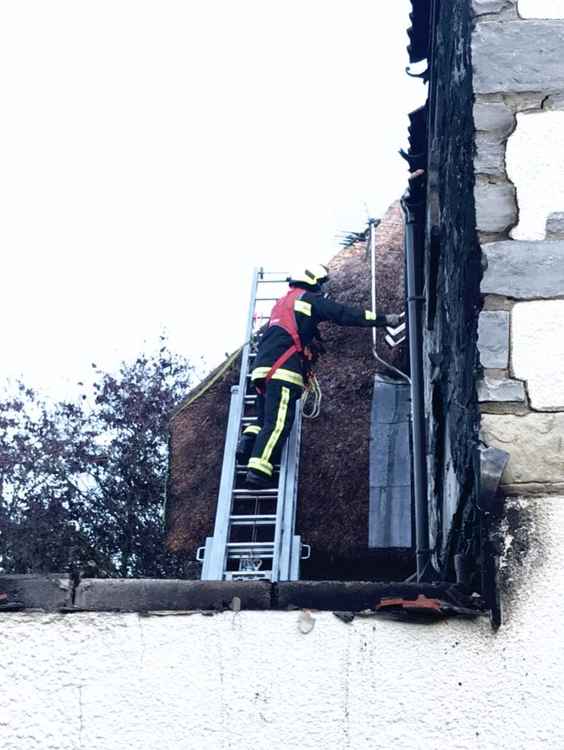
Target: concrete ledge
(349, 595)
(49, 592)
(53, 593)
(143, 594)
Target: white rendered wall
(537, 351)
(541, 8)
(535, 165)
(252, 680)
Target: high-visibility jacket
(308, 309)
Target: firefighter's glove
(393, 320)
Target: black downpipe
(415, 302)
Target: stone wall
(518, 80)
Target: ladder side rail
(207, 557)
(217, 549)
(214, 567)
(216, 552)
(279, 516)
(247, 346)
(289, 500)
(295, 557)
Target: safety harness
(284, 316)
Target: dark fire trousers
(276, 408)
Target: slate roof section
(390, 506)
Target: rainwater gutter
(415, 302)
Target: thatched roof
(333, 488)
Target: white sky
(152, 153)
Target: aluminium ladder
(254, 529)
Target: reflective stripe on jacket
(310, 309)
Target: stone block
(500, 389)
(493, 121)
(486, 7)
(555, 226)
(147, 594)
(49, 592)
(554, 102)
(494, 117)
(535, 443)
(493, 338)
(526, 101)
(490, 156)
(496, 208)
(524, 270)
(514, 56)
(534, 488)
(537, 351)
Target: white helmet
(313, 275)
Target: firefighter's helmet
(313, 276)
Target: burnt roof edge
(56, 593)
(419, 31)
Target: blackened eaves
(419, 31)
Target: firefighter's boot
(257, 481)
(245, 445)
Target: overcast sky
(152, 153)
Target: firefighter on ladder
(286, 352)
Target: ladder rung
(244, 467)
(245, 555)
(248, 420)
(233, 575)
(252, 520)
(266, 299)
(253, 493)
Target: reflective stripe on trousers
(279, 410)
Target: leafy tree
(82, 483)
